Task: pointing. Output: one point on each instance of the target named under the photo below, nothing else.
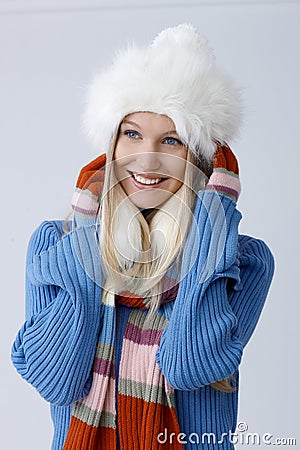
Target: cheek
(120, 170)
(120, 160)
(118, 167)
(119, 152)
(123, 155)
(123, 148)
(178, 169)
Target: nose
(148, 159)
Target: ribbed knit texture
(63, 316)
(217, 350)
(145, 400)
(55, 352)
(128, 387)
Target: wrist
(211, 245)
(224, 182)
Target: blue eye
(172, 141)
(131, 134)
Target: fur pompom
(176, 76)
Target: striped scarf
(145, 400)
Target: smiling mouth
(146, 180)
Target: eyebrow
(170, 132)
(130, 122)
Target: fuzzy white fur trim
(177, 76)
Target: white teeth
(146, 180)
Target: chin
(147, 200)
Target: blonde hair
(136, 252)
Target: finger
(225, 158)
(91, 169)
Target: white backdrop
(48, 52)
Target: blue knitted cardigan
(210, 324)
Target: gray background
(49, 50)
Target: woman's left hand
(225, 177)
(213, 235)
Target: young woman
(140, 307)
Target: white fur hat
(176, 76)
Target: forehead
(150, 120)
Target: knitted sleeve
(256, 265)
(54, 349)
(208, 328)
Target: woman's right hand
(75, 256)
(89, 185)
(54, 349)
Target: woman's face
(149, 158)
